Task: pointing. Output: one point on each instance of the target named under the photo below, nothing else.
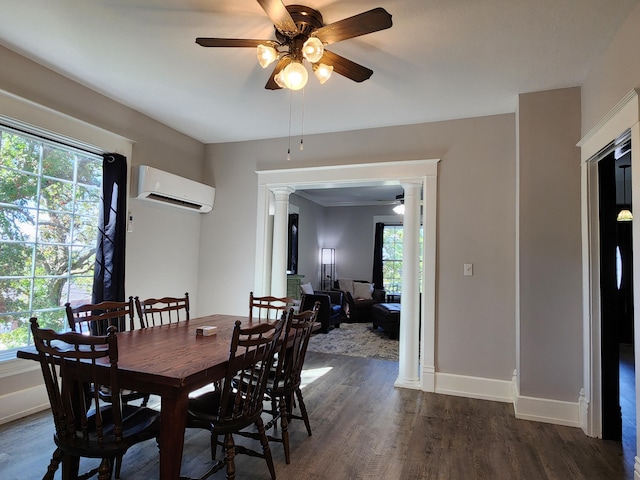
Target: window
(392, 258)
(49, 204)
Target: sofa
(359, 297)
(330, 313)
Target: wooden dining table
(171, 361)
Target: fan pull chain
(302, 133)
(289, 149)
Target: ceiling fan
(302, 35)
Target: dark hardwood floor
(364, 428)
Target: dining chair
(268, 307)
(162, 311)
(95, 319)
(85, 426)
(225, 411)
(285, 380)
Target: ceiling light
(322, 71)
(266, 55)
(312, 49)
(294, 75)
(625, 214)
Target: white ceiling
(441, 59)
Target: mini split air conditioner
(170, 189)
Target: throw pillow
(306, 288)
(346, 285)
(363, 290)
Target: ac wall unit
(164, 187)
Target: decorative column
(408, 375)
(280, 239)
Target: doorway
(414, 172)
(616, 296)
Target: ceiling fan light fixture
(294, 75)
(399, 209)
(313, 49)
(279, 80)
(323, 72)
(266, 55)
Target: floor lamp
(328, 263)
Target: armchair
(358, 308)
(330, 313)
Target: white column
(408, 375)
(280, 238)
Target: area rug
(355, 340)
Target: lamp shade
(322, 71)
(312, 49)
(399, 209)
(625, 215)
(328, 256)
(295, 76)
(266, 55)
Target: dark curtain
(108, 279)
(377, 256)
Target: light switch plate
(468, 269)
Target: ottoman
(387, 317)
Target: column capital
(411, 185)
(282, 192)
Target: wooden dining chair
(285, 380)
(268, 307)
(85, 426)
(225, 411)
(95, 319)
(162, 311)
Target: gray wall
(475, 319)
(614, 75)
(550, 273)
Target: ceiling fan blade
(271, 83)
(346, 67)
(233, 42)
(280, 16)
(361, 24)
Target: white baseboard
(474, 387)
(548, 411)
(23, 403)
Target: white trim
(547, 411)
(368, 174)
(474, 387)
(59, 126)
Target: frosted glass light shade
(625, 215)
(266, 55)
(399, 209)
(295, 76)
(322, 71)
(312, 49)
